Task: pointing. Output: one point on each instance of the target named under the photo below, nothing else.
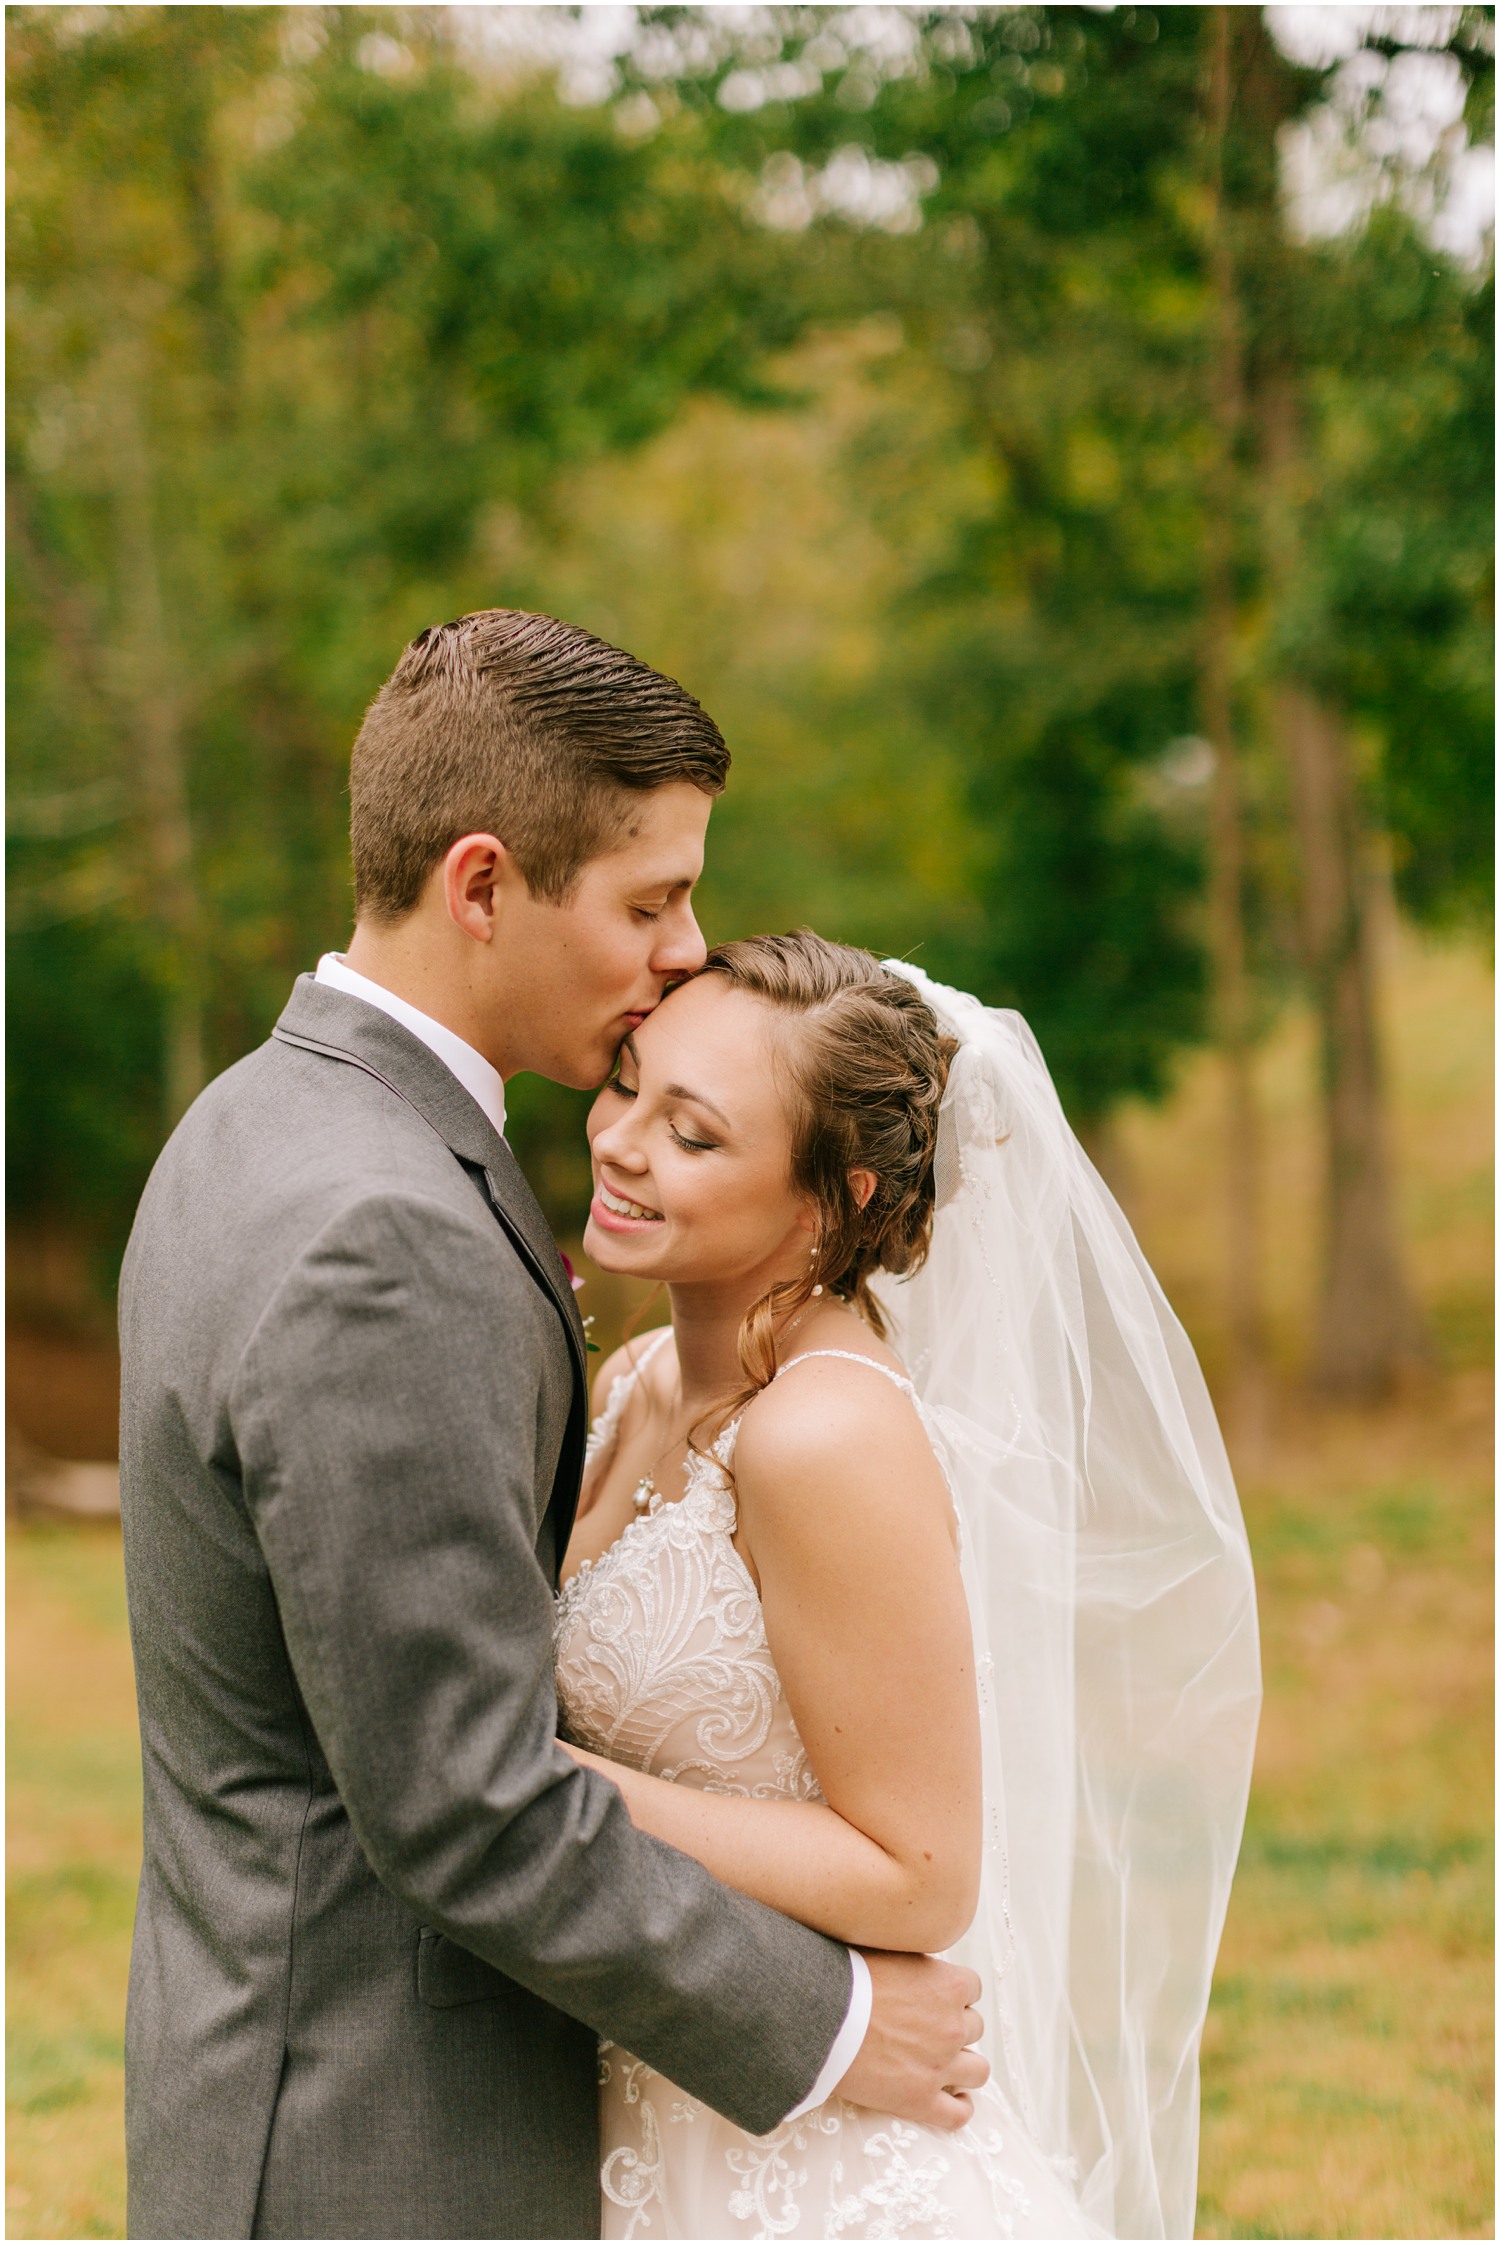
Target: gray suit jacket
(382, 1916)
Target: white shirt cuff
(847, 2042)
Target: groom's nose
(680, 948)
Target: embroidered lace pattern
(663, 1663)
(662, 1660)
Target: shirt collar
(482, 1082)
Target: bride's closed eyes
(618, 1084)
(694, 1145)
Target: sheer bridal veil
(1113, 1603)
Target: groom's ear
(861, 1185)
(476, 872)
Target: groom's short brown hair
(518, 726)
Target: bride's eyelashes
(688, 1145)
(693, 1145)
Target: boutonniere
(577, 1285)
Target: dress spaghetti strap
(607, 1425)
(851, 1356)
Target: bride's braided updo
(864, 1066)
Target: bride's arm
(848, 1525)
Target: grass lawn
(1348, 2059)
(73, 1832)
(1348, 2062)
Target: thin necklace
(645, 1489)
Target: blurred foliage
(328, 322)
(1061, 291)
(1398, 611)
(283, 328)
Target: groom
(382, 1916)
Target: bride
(909, 1593)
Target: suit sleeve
(385, 1412)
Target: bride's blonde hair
(864, 1067)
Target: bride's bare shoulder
(833, 1421)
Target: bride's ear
(861, 1185)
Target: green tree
(1207, 441)
(297, 311)
(1057, 295)
(1337, 334)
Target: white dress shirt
(482, 1082)
(846, 2043)
(486, 1088)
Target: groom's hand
(915, 2060)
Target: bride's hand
(916, 2059)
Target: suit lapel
(343, 1027)
(516, 1205)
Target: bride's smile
(611, 1204)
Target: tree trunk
(1369, 1329)
(1232, 994)
(152, 690)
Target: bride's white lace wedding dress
(663, 1663)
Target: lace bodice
(663, 1663)
(662, 1658)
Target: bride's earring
(812, 1256)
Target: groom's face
(589, 970)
